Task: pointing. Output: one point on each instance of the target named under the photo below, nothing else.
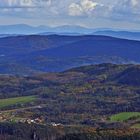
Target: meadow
(124, 116)
(16, 100)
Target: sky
(124, 14)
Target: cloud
(88, 5)
(126, 10)
(24, 8)
(24, 3)
(134, 2)
(90, 8)
(84, 7)
(17, 3)
(75, 10)
(72, 11)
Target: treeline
(99, 137)
(21, 131)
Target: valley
(92, 96)
(70, 70)
(69, 87)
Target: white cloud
(75, 10)
(134, 2)
(84, 7)
(26, 8)
(126, 9)
(135, 6)
(17, 3)
(88, 5)
(69, 10)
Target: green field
(17, 100)
(136, 126)
(124, 116)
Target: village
(12, 117)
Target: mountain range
(53, 53)
(27, 29)
(120, 34)
(69, 83)
(71, 30)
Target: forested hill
(37, 132)
(85, 103)
(25, 55)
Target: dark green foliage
(85, 95)
(27, 132)
(130, 76)
(21, 131)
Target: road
(21, 109)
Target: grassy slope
(136, 126)
(124, 116)
(17, 100)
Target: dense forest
(84, 103)
(30, 54)
(38, 132)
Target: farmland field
(136, 126)
(124, 116)
(17, 100)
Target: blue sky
(89, 13)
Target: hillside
(77, 102)
(35, 53)
(120, 34)
(95, 99)
(102, 88)
(130, 76)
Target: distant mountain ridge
(21, 29)
(54, 53)
(120, 34)
(71, 30)
(27, 29)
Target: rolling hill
(91, 102)
(52, 53)
(66, 97)
(120, 34)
